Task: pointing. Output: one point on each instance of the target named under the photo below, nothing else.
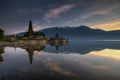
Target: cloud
(89, 15)
(37, 27)
(96, 10)
(29, 11)
(54, 66)
(108, 26)
(53, 13)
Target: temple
(30, 31)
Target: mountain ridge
(76, 32)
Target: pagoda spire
(30, 54)
(30, 30)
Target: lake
(77, 60)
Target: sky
(97, 14)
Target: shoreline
(31, 42)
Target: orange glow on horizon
(107, 53)
(108, 26)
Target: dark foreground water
(78, 60)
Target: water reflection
(84, 47)
(61, 61)
(1, 52)
(107, 53)
(57, 45)
(30, 49)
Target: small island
(30, 38)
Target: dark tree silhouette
(26, 34)
(1, 52)
(1, 33)
(40, 34)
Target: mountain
(80, 31)
(72, 31)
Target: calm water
(78, 60)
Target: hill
(80, 31)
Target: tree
(40, 34)
(26, 34)
(1, 33)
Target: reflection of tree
(30, 49)
(1, 52)
(58, 45)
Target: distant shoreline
(31, 42)
(20, 42)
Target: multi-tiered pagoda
(30, 31)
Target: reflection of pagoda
(57, 45)
(30, 49)
(30, 54)
(30, 31)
